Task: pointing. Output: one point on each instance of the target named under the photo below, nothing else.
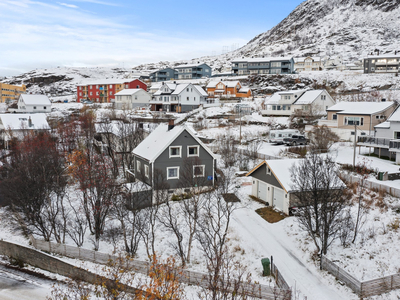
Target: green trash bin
(266, 266)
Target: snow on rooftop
(261, 59)
(128, 92)
(161, 137)
(308, 97)
(395, 117)
(281, 169)
(383, 125)
(35, 99)
(189, 65)
(107, 81)
(200, 90)
(362, 108)
(21, 121)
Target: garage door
(278, 198)
(262, 191)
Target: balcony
(328, 123)
(394, 146)
(374, 141)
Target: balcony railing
(374, 141)
(394, 145)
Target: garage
(278, 197)
(262, 191)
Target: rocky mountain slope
(351, 29)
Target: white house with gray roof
(173, 153)
(14, 126)
(33, 104)
(288, 102)
(131, 98)
(178, 97)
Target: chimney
(383, 100)
(163, 83)
(171, 124)
(30, 122)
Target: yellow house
(11, 92)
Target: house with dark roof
(286, 103)
(176, 155)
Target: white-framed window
(172, 173)
(80, 88)
(97, 93)
(110, 86)
(198, 171)
(175, 151)
(323, 97)
(110, 93)
(193, 151)
(138, 166)
(90, 86)
(334, 117)
(34, 107)
(44, 107)
(80, 94)
(91, 93)
(146, 171)
(97, 86)
(187, 98)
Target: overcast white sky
(79, 33)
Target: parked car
(85, 101)
(295, 140)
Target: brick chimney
(171, 124)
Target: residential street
(270, 239)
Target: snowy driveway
(16, 285)
(271, 239)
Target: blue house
(263, 65)
(193, 71)
(164, 75)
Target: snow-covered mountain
(351, 29)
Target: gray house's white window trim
(203, 167)
(138, 166)
(176, 155)
(193, 155)
(172, 177)
(146, 171)
(268, 170)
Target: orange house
(227, 89)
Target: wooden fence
(280, 281)
(365, 288)
(188, 277)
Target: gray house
(272, 183)
(172, 157)
(388, 63)
(164, 75)
(193, 71)
(263, 65)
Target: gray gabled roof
(152, 146)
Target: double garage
(271, 183)
(270, 194)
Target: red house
(104, 90)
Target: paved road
(266, 237)
(21, 286)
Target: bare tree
(34, 184)
(322, 138)
(77, 223)
(319, 193)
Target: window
(175, 151)
(268, 171)
(90, 86)
(138, 166)
(91, 94)
(44, 107)
(198, 171)
(110, 86)
(273, 107)
(187, 98)
(110, 93)
(193, 151)
(353, 121)
(97, 86)
(138, 87)
(187, 90)
(97, 93)
(172, 173)
(323, 97)
(34, 107)
(146, 171)
(334, 117)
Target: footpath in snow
(271, 239)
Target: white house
(307, 64)
(288, 102)
(15, 125)
(386, 139)
(34, 104)
(178, 97)
(131, 98)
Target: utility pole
(355, 144)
